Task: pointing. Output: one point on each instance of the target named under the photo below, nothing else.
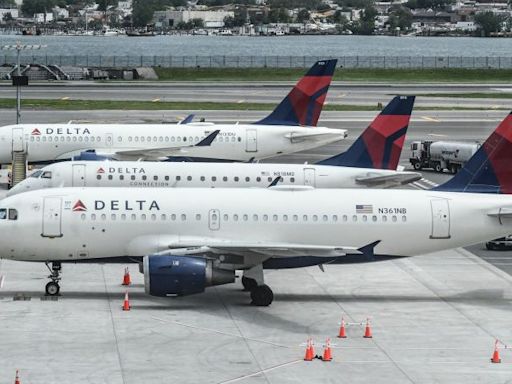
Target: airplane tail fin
(489, 170)
(302, 106)
(380, 145)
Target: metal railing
(389, 62)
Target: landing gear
(248, 283)
(53, 287)
(262, 296)
(253, 281)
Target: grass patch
(365, 75)
(76, 105)
(471, 95)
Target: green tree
(488, 22)
(30, 7)
(303, 16)
(366, 23)
(8, 17)
(142, 10)
(400, 17)
(289, 4)
(7, 3)
(104, 5)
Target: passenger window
(225, 217)
(46, 175)
(149, 138)
(189, 178)
(334, 218)
(345, 218)
(265, 217)
(98, 177)
(239, 139)
(236, 179)
(274, 217)
(155, 178)
(404, 218)
(93, 216)
(143, 217)
(374, 218)
(3, 213)
(384, 219)
(255, 217)
(31, 138)
(235, 217)
(173, 217)
(92, 138)
(292, 179)
(163, 217)
(161, 139)
(129, 139)
(50, 138)
(258, 179)
(119, 138)
(324, 218)
(246, 217)
(247, 179)
(214, 178)
(183, 217)
(153, 217)
(113, 217)
(305, 218)
(354, 218)
(166, 178)
(315, 218)
(110, 177)
(285, 217)
(132, 177)
(393, 218)
(155, 139)
(166, 138)
(198, 217)
(133, 217)
(80, 138)
(136, 138)
(121, 177)
(178, 178)
(295, 217)
(225, 178)
(123, 216)
(365, 218)
(202, 178)
(13, 214)
(144, 177)
(103, 217)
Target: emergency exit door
(78, 175)
(214, 219)
(52, 217)
(440, 219)
(309, 177)
(251, 140)
(17, 140)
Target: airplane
(188, 239)
(291, 127)
(370, 162)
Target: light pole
(20, 80)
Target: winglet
(187, 119)
(380, 145)
(275, 181)
(489, 169)
(303, 105)
(369, 249)
(207, 141)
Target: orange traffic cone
(126, 303)
(126, 278)
(309, 351)
(17, 379)
(327, 351)
(367, 330)
(342, 333)
(496, 355)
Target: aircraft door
(440, 219)
(78, 175)
(109, 139)
(52, 217)
(214, 219)
(309, 177)
(251, 140)
(17, 140)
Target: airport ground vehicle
(500, 244)
(441, 155)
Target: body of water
(336, 46)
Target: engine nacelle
(182, 275)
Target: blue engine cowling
(182, 275)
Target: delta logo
(100, 170)
(79, 207)
(36, 132)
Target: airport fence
(376, 62)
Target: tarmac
(434, 318)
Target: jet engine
(182, 275)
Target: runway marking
(342, 95)
(259, 372)
(155, 100)
(221, 333)
(437, 135)
(430, 119)
(2, 279)
(65, 98)
(241, 101)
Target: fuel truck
(441, 155)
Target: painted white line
(430, 119)
(2, 279)
(260, 372)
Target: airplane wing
(387, 180)
(160, 152)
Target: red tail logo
(100, 170)
(79, 207)
(36, 132)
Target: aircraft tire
(262, 296)
(52, 288)
(248, 283)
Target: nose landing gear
(53, 287)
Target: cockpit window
(36, 174)
(13, 214)
(46, 175)
(3, 213)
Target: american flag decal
(364, 208)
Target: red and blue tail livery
(490, 169)
(380, 145)
(303, 105)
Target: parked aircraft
(288, 129)
(370, 162)
(188, 239)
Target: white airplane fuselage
(77, 224)
(50, 142)
(197, 175)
